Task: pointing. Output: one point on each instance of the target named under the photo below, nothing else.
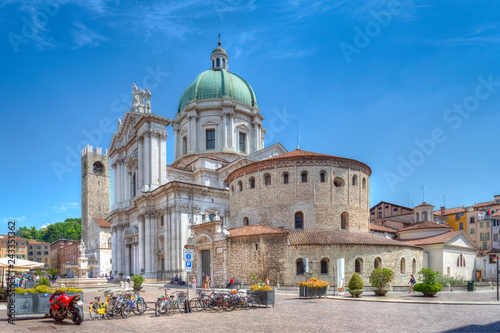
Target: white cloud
(43, 226)
(16, 219)
(83, 36)
(64, 206)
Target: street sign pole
(498, 298)
(188, 257)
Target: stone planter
(355, 293)
(312, 292)
(137, 288)
(26, 304)
(429, 293)
(380, 292)
(267, 297)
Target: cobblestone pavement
(292, 314)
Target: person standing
(193, 282)
(412, 282)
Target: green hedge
(424, 287)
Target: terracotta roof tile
(484, 204)
(439, 239)
(377, 227)
(427, 225)
(450, 211)
(256, 230)
(102, 222)
(339, 237)
(497, 213)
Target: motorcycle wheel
(54, 315)
(77, 316)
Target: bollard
(491, 285)
(122, 285)
(448, 287)
(278, 285)
(62, 285)
(389, 287)
(127, 286)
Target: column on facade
(140, 167)
(154, 237)
(194, 121)
(147, 237)
(114, 183)
(255, 135)
(113, 249)
(118, 181)
(119, 249)
(166, 252)
(147, 160)
(259, 137)
(177, 141)
(179, 242)
(163, 158)
(231, 132)
(224, 130)
(173, 239)
(140, 260)
(130, 186)
(154, 160)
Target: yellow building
(455, 217)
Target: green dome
(218, 84)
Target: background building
(39, 252)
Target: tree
(381, 277)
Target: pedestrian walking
(412, 282)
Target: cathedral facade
(241, 206)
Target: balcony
(484, 217)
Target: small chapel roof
(427, 225)
(102, 222)
(449, 211)
(339, 238)
(377, 227)
(439, 239)
(256, 230)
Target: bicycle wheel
(180, 305)
(195, 304)
(94, 314)
(228, 303)
(241, 303)
(126, 309)
(110, 309)
(168, 308)
(140, 306)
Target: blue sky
(411, 88)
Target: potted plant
(429, 286)
(137, 279)
(143, 271)
(121, 275)
(379, 279)
(313, 288)
(263, 290)
(355, 285)
(36, 300)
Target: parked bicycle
(97, 310)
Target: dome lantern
(219, 58)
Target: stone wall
(322, 203)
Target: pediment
(209, 123)
(461, 240)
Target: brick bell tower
(96, 178)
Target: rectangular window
(481, 224)
(184, 145)
(38, 253)
(461, 225)
(485, 245)
(495, 237)
(242, 142)
(471, 230)
(472, 220)
(45, 253)
(162, 220)
(38, 247)
(210, 136)
(487, 224)
(39, 259)
(31, 247)
(457, 217)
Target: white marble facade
(154, 203)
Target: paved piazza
(292, 314)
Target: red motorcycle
(64, 306)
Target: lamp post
(484, 270)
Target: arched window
(245, 221)
(299, 220)
(354, 180)
(358, 266)
(285, 177)
(240, 186)
(232, 189)
(418, 218)
(344, 220)
(338, 182)
(324, 265)
(395, 210)
(267, 179)
(218, 62)
(403, 266)
(364, 183)
(223, 63)
(300, 266)
(377, 263)
(303, 176)
(414, 266)
(424, 216)
(460, 261)
(322, 176)
(213, 63)
(252, 182)
(98, 168)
